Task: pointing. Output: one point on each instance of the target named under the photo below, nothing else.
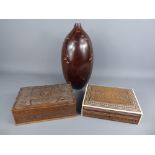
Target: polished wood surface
(77, 57)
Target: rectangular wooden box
(117, 104)
(40, 103)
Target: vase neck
(77, 26)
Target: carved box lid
(111, 98)
(43, 96)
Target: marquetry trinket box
(117, 104)
(40, 103)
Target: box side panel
(114, 116)
(46, 113)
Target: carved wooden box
(117, 104)
(40, 103)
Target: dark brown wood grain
(40, 103)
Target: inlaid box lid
(40, 96)
(111, 98)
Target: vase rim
(77, 25)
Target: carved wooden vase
(77, 57)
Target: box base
(45, 120)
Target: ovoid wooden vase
(77, 57)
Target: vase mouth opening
(77, 26)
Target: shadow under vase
(79, 94)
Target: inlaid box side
(112, 115)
